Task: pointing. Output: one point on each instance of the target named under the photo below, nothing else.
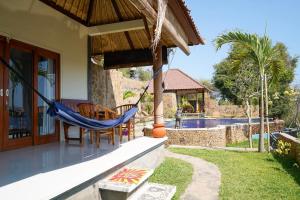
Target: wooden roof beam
(119, 15)
(117, 27)
(90, 12)
(147, 28)
(168, 26)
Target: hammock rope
(68, 115)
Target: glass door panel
(20, 96)
(23, 115)
(2, 45)
(46, 86)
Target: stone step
(154, 191)
(121, 184)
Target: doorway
(24, 121)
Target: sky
(281, 19)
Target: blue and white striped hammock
(65, 114)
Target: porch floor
(53, 170)
(29, 161)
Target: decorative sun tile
(129, 176)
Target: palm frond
(249, 40)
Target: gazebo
(181, 85)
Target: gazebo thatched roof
(94, 13)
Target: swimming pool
(209, 122)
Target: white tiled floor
(22, 163)
(47, 171)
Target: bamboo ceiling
(99, 12)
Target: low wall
(239, 132)
(295, 145)
(212, 137)
(209, 137)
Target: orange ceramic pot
(158, 131)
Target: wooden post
(89, 66)
(203, 101)
(198, 107)
(158, 126)
(177, 99)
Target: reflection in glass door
(20, 96)
(23, 115)
(46, 86)
(2, 44)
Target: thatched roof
(176, 80)
(98, 12)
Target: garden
(245, 175)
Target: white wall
(33, 22)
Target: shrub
(148, 106)
(169, 113)
(283, 148)
(128, 94)
(186, 106)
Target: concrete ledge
(289, 137)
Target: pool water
(209, 123)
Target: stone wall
(170, 104)
(107, 87)
(239, 132)
(212, 137)
(213, 109)
(295, 148)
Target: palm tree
(262, 53)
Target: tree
(246, 89)
(279, 103)
(226, 72)
(125, 72)
(238, 81)
(208, 84)
(144, 74)
(262, 53)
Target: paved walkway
(216, 148)
(206, 179)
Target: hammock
(65, 114)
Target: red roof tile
(175, 79)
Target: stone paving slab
(206, 179)
(125, 180)
(154, 191)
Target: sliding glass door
(23, 113)
(18, 99)
(2, 55)
(47, 84)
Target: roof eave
(186, 21)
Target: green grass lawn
(173, 172)
(252, 175)
(245, 144)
